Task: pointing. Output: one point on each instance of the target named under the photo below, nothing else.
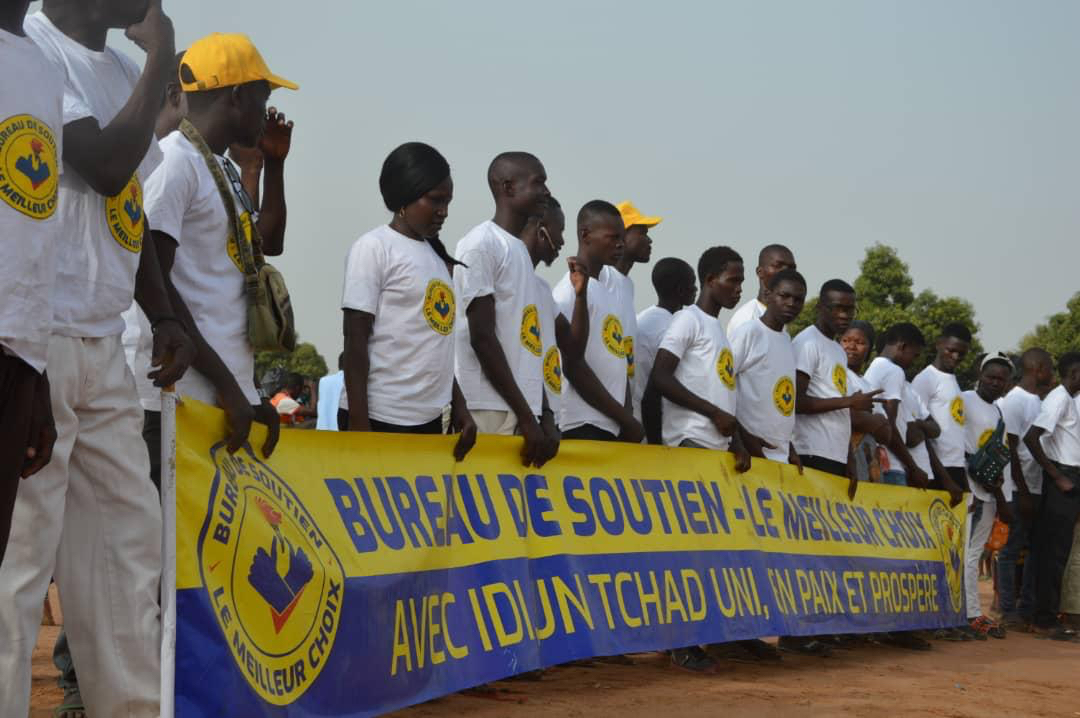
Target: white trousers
(980, 523)
(92, 520)
(491, 421)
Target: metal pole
(169, 401)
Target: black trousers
(18, 383)
(1051, 543)
(151, 434)
(820, 463)
(432, 427)
(589, 432)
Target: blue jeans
(1019, 540)
(894, 477)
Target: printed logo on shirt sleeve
(530, 330)
(439, 307)
(783, 395)
(839, 379)
(124, 213)
(628, 348)
(956, 409)
(29, 175)
(611, 333)
(553, 370)
(725, 368)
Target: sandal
(985, 625)
(72, 707)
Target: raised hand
(173, 352)
(579, 274)
(277, 136)
(154, 33)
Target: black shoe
(905, 639)
(692, 659)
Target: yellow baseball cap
(631, 216)
(224, 60)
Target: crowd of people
(127, 242)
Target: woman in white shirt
(867, 428)
(399, 308)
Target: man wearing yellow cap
(227, 85)
(637, 248)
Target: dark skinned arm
(956, 492)
(806, 404)
(595, 395)
(1023, 494)
(1064, 483)
(173, 350)
(357, 330)
(651, 413)
(931, 428)
(868, 422)
(462, 422)
(663, 375)
(915, 476)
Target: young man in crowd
(100, 473)
(773, 259)
(901, 345)
(227, 85)
(981, 418)
(1021, 407)
(330, 388)
(596, 403)
(497, 351)
(936, 385)
(676, 286)
(637, 248)
(765, 371)
(1054, 442)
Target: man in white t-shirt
(823, 403)
(637, 248)
(596, 402)
(92, 519)
(676, 286)
(772, 259)
(227, 84)
(1020, 407)
(31, 144)
(902, 343)
(1054, 442)
(330, 388)
(939, 390)
(765, 371)
(981, 418)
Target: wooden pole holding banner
(169, 401)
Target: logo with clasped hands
(956, 410)
(611, 333)
(725, 368)
(530, 330)
(439, 307)
(783, 395)
(950, 536)
(124, 213)
(275, 584)
(553, 370)
(29, 175)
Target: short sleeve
(151, 160)
(807, 357)
(680, 335)
(74, 107)
(365, 272)
(742, 347)
(168, 193)
(1053, 407)
(477, 277)
(923, 385)
(563, 297)
(890, 379)
(1012, 413)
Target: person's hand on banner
(173, 352)
(266, 414)
(464, 424)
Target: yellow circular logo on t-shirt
(439, 306)
(530, 330)
(29, 175)
(783, 395)
(725, 367)
(553, 370)
(628, 348)
(956, 408)
(985, 437)
(230, 245)
(124, 213)
(611, 332)
(839, 379)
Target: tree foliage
(1060, 333)
(305, 360)
(885, 295)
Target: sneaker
(804, 645)
(692, 659)
(984, 625)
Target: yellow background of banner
(303, 459)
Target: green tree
(1060, 333)
(304, 360)
(886, 296)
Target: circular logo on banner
(783, 395)
(124, 213)
(956, 408)
(725, 368)
(232, 248)
(530, 330)
(950, 537)
(611, 332)
(274, 581)
(439, 307)
(29, 175)
(839, 379)
(553, 370)
(628, 349)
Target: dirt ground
(1018, 676)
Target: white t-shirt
(941, 394)
(185, 204)
(747, 312)
(102, 238)
(138, 341)
(605, 353)
(706, 368)
(765, 374)
(31, 145)
(406, 286)
(980, 420)
(916, 411)
(498, 264)
(884, 374)
(823, 360)
(623, 287)
(651, 325)
(553, 376)
(1059, 417)
(1020, 408)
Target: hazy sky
(945, 129)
